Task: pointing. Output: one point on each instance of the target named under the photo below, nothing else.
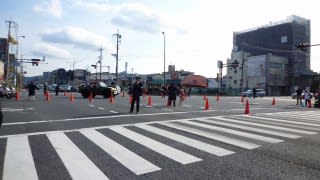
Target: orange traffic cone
(242, 99)
(206, 105)
(149, 101)
(247, 109)
(90, 97)
(64, 94)
(48, 96)
(71, 97)
(17, 96)
(273, 101)
(309, 104)
(218, 98)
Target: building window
(235, 82)
(235, 71)
(284, 39)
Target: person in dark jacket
(172, 94)
(32, 90)
(57, 90)
(136, 92)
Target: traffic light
(302, 46)
(235, 64)
(35, 62)
(219, 64)
(95, 66)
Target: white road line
(168, 110)
(269, 126)
(114, 112)
(293, 122)
(186, 105)
(130, 160)
(93, 117)
(287, 135)
(18, 162)
(77, 163)
(101, 108)
(188, 141)
(161, 148)
(217, 137)
(239, 133)
(91, 105)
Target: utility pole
(8, 55)
(100, 61)
(117, 53)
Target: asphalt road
(63, 139)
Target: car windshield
(102, 84)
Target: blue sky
(198, 32)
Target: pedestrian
(136, 92)
(181, 95)
(254, 92)
(32, 90)
(299, 93)
(307, 97)
(57, 89)
(172, 94)
(45, 88)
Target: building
(279, 39)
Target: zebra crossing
(241, 132)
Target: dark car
(95, 88)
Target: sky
(197, 33)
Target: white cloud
(52, 7)
(134, 16)
(79, 37)
(50, 51)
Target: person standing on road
(57, 89)
(254, 92)
(32, 90)
(136, 92)
(307, 97)
(172, 94)
(299, 93)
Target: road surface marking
(304, 116)
(186, 105)
(101, 108)
(161, 148)
(239, 133)
(18, 161)
(168, 110)
(16, 109)
(130, 160)
(294, 122)
(114, 112)
(91, 105)
(77, 163)
(217, 137)
(188, 141)
(213, 120)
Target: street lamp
(164, 58)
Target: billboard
(3, 48)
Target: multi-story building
(279, 39)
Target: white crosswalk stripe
(161, 148)
(18, 160)
(237, 131)
(78, 164)
(188, 141)
(132, 161)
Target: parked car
(116, 89)
(65, 88)
(249, 93)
